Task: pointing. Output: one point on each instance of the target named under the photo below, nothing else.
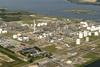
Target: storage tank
(19, 34)
(85, 33)
(87, 39)
(14, 36)
(93, 28)
(88, 28)
(80, 34)
(77, 41)
(96, 34)
(20, 39)
(0, 31)
(4, 31)
(69, 62)
(89, 34)
(26, 38)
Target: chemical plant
(48, 42)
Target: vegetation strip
(16, 63)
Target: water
(53, 8)
(94, 64)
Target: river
(94, 64)
(54, 8)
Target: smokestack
(34, 27)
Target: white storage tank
(89, 33)
(4, 31)
(26, 38)
(77, 41)
(84, 24)
(97, 28)
(14, 36)
(69, 62)
(85, 33)
(93, 28)
(80, 34)
(38, 24)
(0, 31)
(87, 39)
(96, 34)
(88, 28)
(40, 37)
(18, 34)
(20, 38)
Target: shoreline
(57, 16)
(89, 62)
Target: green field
(16, 63)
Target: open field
(16, 63)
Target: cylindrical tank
(77, 41)
(15, 36)
(0, 31)
(4, 31)
(85, 33)
(80, 34)
(89, 33)
(87, 39)
(96, 34)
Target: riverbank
(53, 8)
(93, 59)
(94, 64)
(89, 63)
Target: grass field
(16, 63)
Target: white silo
(69, 62)
(46, 24)
(40, 37)
(19, 34)
(85, 33)
(84, 24)
(97, 28)
(26, 38)
(80, 34)
(96, 33)
(20, 39)
(38, 24)
(14, 36)
(93, 28)
(89, 33)
(77, 41)
(77, 33)
(87, 39)
(88, 28)
(0, 31)
(4, 31)
(67, 45)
